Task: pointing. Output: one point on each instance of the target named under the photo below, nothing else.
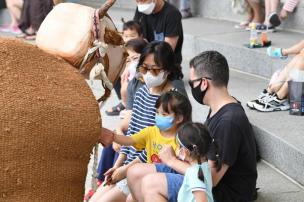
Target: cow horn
(105, 7)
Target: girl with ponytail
(194, 142)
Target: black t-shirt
(234, 136)
(166, 23)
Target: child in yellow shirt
(172, 110)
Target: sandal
(115, 111)
(30, 37)
(274, 19)
(276, 53)
(27, 36)
(242, 25)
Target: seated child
(131, 30)
(194, 142)
(173, 109)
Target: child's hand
(106, 137)
(116, 147)
(119, 174)
(125, 75)
(167, 154)
(108, 175)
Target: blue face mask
(164, 122)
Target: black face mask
(198, 94)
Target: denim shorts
(174, 181)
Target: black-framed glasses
(191, 82)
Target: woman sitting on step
(274, 98)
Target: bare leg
(274, 5)
(154, 187)
(135, 174)
(100, 192)
(130, 198)
(295, 49)
(113, 195)
(281, 88)
(267, 11)
(124, 92)
(270, 7)
(283, 77)
(14, 7)
(256, 11)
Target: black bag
(2, 4)
(296, 97)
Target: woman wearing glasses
(160, 74)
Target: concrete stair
(223, 11)
(280, 136)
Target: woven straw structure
(49, 122)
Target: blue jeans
(107, 160)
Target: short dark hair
(177, 103)
(132, 25)
(136, 45)
(164, 57)
(212, 64)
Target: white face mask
(153, 81)
(132, 69)
(146, 8)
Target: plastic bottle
(264, 38)
(253, 35)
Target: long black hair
(196, 138)
(163, 57)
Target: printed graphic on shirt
(155, 158)
(159, 36)
(156, 148)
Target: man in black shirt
(161, 21)
(234, 145)
(230, 128)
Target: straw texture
(49, 122)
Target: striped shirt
(290, 5)
(143, 115)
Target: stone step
(205, 34)
(279, 134)
(274, 185)
(223, 11)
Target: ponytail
(218, 160)
(200, 173)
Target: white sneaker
(262, 95)
(272, 103)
